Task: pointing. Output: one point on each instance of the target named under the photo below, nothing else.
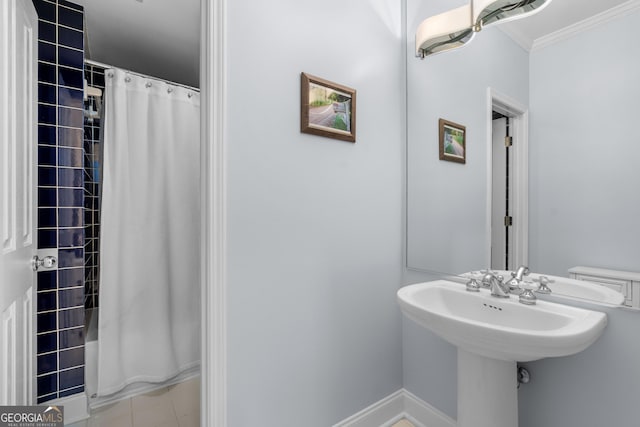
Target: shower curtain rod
(105, 66)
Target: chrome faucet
(517, 277)
(494, 282)
(522, 271)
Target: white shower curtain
(149, 313)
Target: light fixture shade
(486, 12)
(445, 31)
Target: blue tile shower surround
(60, 296)
(95, 78)
(47, 177)
(46, 135)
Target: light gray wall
(315, 224)
(584, 204)
(447, 202)
(584, 210)
(598, 387)
(429, 363)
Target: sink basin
(500, 328)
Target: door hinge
(508, 141)
(508, 221)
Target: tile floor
(173, 406)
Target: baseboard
(393, 408)
(75, 407)
(423, 414)
(381, 413)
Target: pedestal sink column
(487, 391)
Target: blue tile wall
(71, 277)
(70, 238)
(70, 217)
(46, 301)
(70, 358)
(47, 239)
(47, 363)
(69, 258)
(92, 163)
(71, 318)
(46, 134)
(47, 343)
(47, 177)
(47, 216)
(47, 197)
(70, 137)
(60, 298)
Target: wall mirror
(576, 90)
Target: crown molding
(585, 25)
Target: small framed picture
(453, 145)
(327, 108)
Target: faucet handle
(543, 288)
(544, 280)
(527, 296)
(472, 285)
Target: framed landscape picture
(327, 108)
(453, 145)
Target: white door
(501, 199)
(18, 145)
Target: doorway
(502, 190)
(507, 182)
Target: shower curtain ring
(148, 85)
(127, 79)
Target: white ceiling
(161, 37)
(556, 16)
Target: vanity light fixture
(455, 28)
(486, 12)
(444, 32)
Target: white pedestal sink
(492, 334)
